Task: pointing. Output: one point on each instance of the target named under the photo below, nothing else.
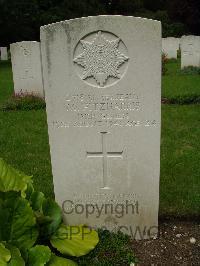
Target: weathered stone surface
(4, 53)
(102, 80)
(190, 51)
(27, 68)
(170, 46)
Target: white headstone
(102, 80)
(27, 68)
(170, 47)
(4, 53)
(190, 51)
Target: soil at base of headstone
(178, 243)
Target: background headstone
(102, 80)
(3, 53)
(27, 68)
(170, 46)
(190, 51)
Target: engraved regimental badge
(101, 59)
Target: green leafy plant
(31, 226)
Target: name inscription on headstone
(104, 110)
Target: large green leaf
(39, 255)
(9, 194)
(5, 255)
(36, 200)
(74, 240)
(58, 261)
(52, 218)
(12, 180)
(16, 259)
(17, 222)
(29, 190)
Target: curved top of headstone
(172, 38)
(23, 42)
(100, 17)
(189, 36)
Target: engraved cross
(104, 155)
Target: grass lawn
(180, 160)
(176, 85)
(6, 82)
(24, 144)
